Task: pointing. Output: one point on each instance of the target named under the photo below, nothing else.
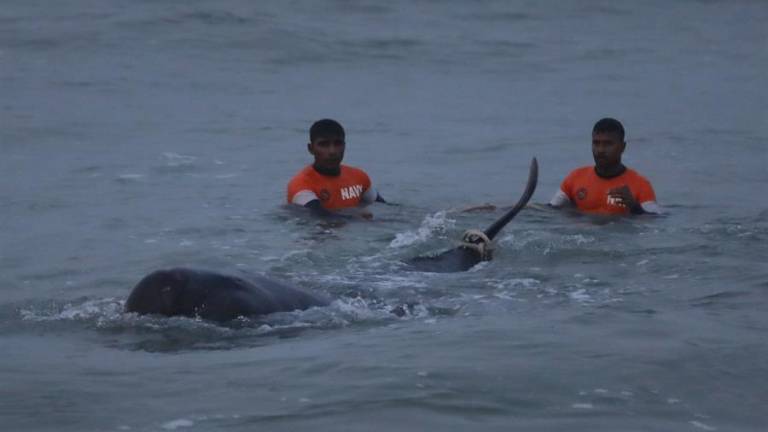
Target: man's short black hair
(325, 128)
(609, 125)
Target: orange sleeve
(365, 180)
(567, 186)
(644, 191)
(296, 185)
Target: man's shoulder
(580, 172)
(350, 171)
(304, 171)
(303, 174)
(633, 174)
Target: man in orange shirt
(608, 188)
(327, 186)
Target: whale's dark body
(219, 297)
(464, 258)
(214, 296)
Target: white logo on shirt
(351, 192)
(616, 202)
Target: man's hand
(622, 197)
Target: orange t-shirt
(589, 192)
(334, 192)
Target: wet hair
(325, 128)
(609, 125)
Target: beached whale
(476, 246)
(215, 296)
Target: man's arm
(307, 199)
(559, 200)
(371, 195)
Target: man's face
(607, 148)
(328, 151)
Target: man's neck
(610, 172)
(332, 172)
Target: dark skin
(328, 152)
(607, 148)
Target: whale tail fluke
(530, 188)
(476, 246)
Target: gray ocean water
(140, 134)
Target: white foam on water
(582, 406)
(101, 308)
(176, 159)
(190, 422)
(129, 176)
(702, 426)
(330, 279)
(355, 308)
(176, 424)
(580, 295)
(526, 283)
(431, 224)
(110, 313)
(286, 256)
(479, 266)
(510, 289)
(393, 282)
(578, 239)
(566, 242)
(264, 328)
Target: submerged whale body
(476, 246)
(453, 260)
(215, 296)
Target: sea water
(139, 135)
